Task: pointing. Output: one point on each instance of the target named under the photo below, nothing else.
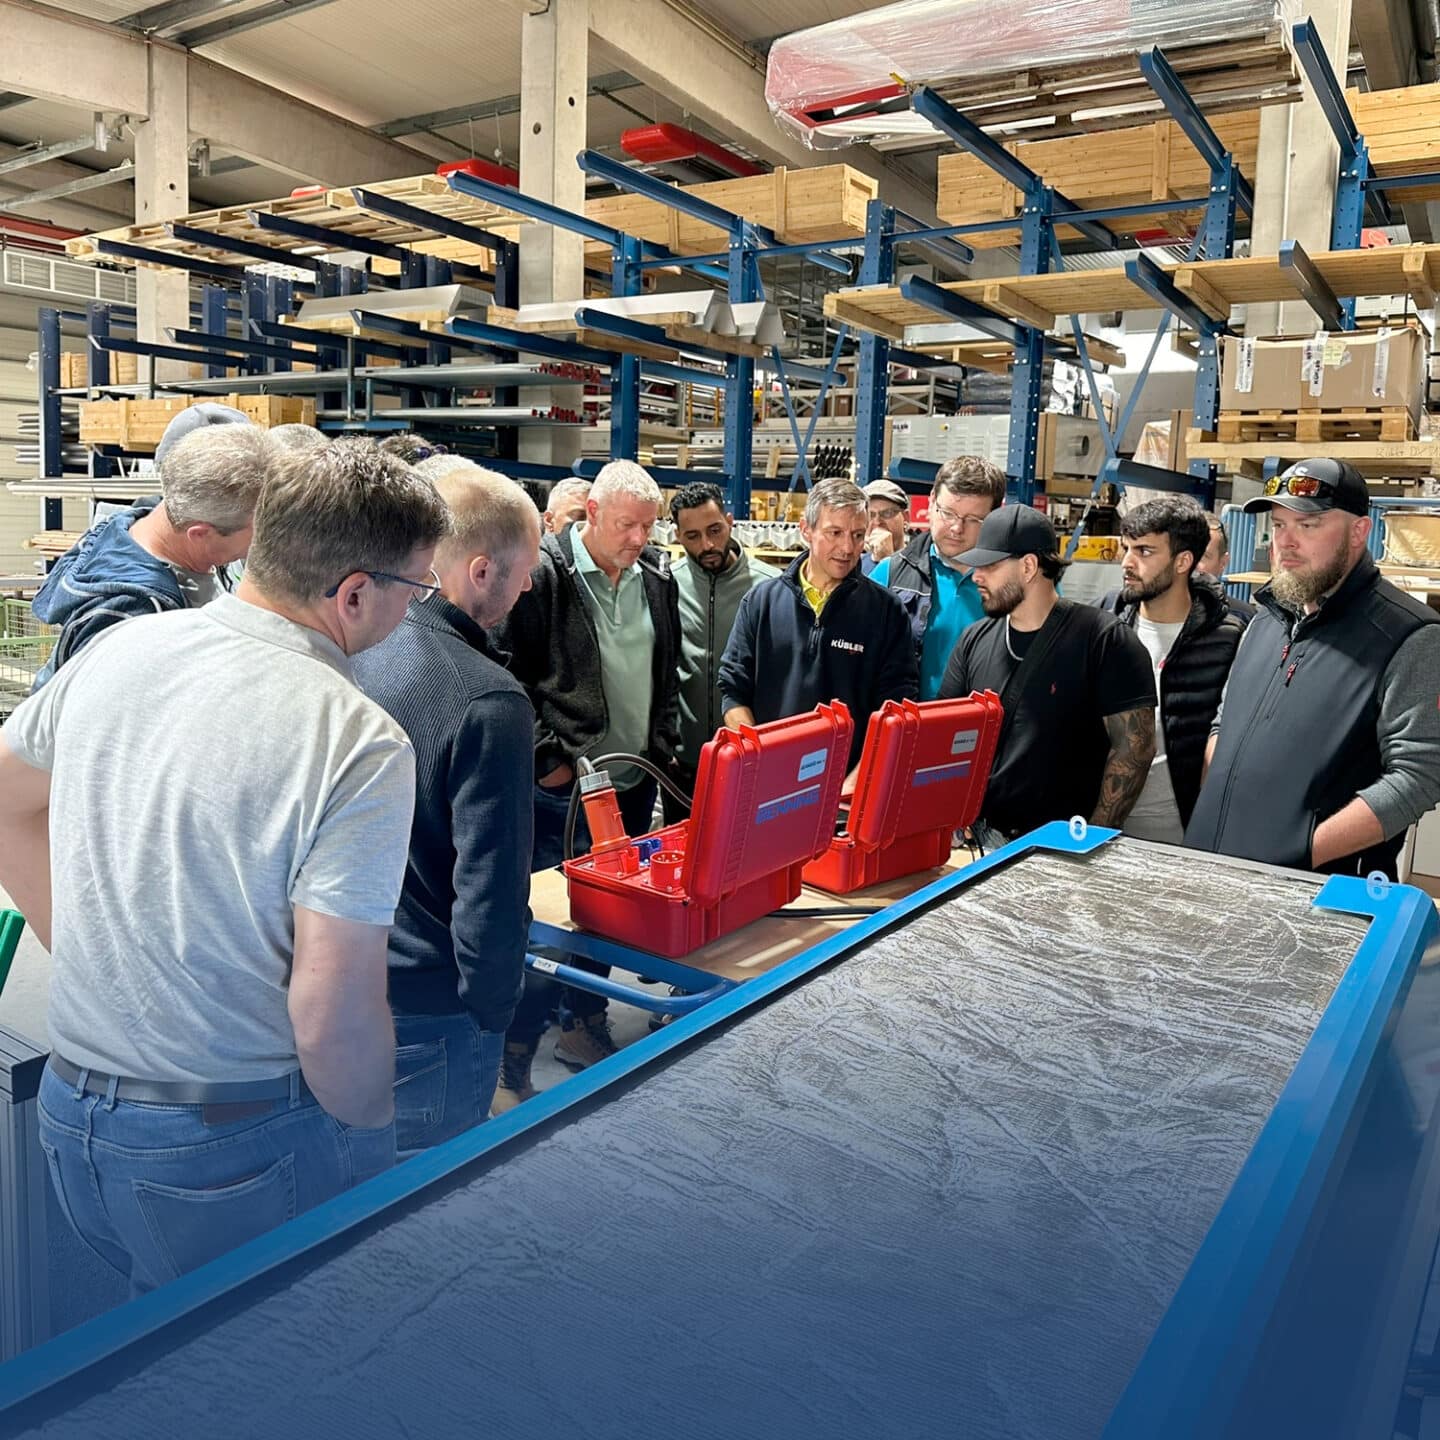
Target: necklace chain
(1008, 645)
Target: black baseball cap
(1312, 486)
(1009, 531)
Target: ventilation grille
(52, 276)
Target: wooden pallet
(1314, 426)
(1156, 162)
(1400, 459)
(1094, 95)
(1214, 286)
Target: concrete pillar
(162, 192)
(554, 81)
(1294, 177)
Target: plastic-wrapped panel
(946, 1187)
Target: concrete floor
(26, 994)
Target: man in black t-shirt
(1076, 686)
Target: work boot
(584, 1042)
(514, 1084)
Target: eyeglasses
(426, 589)
(1304, 487)
(951, 520)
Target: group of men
(351, 761)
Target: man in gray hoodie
(715, 578)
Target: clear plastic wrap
(857, 62)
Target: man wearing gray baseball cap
(1326, 748)
(1076, 686)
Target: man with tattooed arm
(1076, 685)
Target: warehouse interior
(922, 1041)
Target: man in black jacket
(1327, 746)
(596, 644)
(457, 948)
(1079, 728)
(1179, 615)
(821, 631)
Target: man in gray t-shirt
(216, 895)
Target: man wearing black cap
(1076, 686)
(1327, 745)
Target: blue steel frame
(1226, 1297)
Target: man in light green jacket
(714, 578)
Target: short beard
(1003, 601)
(1137, 595)
(1295, 589)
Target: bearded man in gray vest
(1327, 744)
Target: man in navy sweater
(821, 631)
(457, 949)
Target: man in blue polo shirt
(926, 576)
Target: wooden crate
(75, 369)
(135, 425)
(825, 203)
(268, 411)
(1156, 162)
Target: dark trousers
(673, 811)
(543, 996)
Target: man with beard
(1327, 745)
(1179, 615)
(716, 576)
(1079, 728)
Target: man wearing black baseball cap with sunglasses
(1076, 685)
(1327, 744)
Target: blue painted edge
(63, 1359)
(1188, 1382)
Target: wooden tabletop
(764, 943)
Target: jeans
(542, 995)
(446, 1067)
(155, 1192)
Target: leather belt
(252, 1097)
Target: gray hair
(435, 467)
(562, 490)
(328, 513)
(490, 514)
(625, 477)
(214, 476)
(835, 493)
(296, 437)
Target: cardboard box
(1270, 380)
(1351, 365)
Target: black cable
(600, 760)
(827, 912)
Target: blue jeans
(446, 1067)
(154, 1191)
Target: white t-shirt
(209, 769)
(1156, 816)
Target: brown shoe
(514, 1085)
(585, 1042)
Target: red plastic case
(922, 776)
(766, 798)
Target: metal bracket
(1142, 271)
(957, 307)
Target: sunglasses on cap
(1303, 487)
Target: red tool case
(766, 798)
(922, 776)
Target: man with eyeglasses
(926, 575)
(457, 949)
(217, 907)
(1327, 744)
(887, 515)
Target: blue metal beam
(495, 337)
(233, 245)
(1310, 50)
(1144, 272)
(957, 307)
(276, 330)
(209, 340)
(969, 136)
(587, 317)
(921, 472)
(144, 256)
(680, 374)
(162, 352)
(541, 210)
(424, 220)
(1163, 80)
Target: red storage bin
(922, 776)
(766, 798)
